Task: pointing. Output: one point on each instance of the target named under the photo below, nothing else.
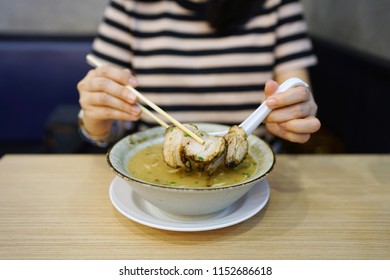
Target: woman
(201, 61)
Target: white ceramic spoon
(256, 118)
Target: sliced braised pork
(237, 146)
(173, 146)
(180, 150)
(207, 157)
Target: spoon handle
(258, 116)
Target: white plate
(139, 210)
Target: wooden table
(321, 207)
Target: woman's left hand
(293, 115)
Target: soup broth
(148, 165)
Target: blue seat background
(36, 76)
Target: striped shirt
(194, 73)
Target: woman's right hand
(104, 98)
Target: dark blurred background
(43, 44)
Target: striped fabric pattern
(194, 73)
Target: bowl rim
(149, 184)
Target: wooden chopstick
(93, 61)
(166, 115)
(153, 116)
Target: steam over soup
(148, 165)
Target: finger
(121, 76)
(103, 99)
(82, 85)
(132, 80)
(108, 113)
(288, 135)
(289, 97)
(297, 111)
(306, 125)
(270, 87)
(102, 84)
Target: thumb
(270, 87)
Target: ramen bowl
(183, 200)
